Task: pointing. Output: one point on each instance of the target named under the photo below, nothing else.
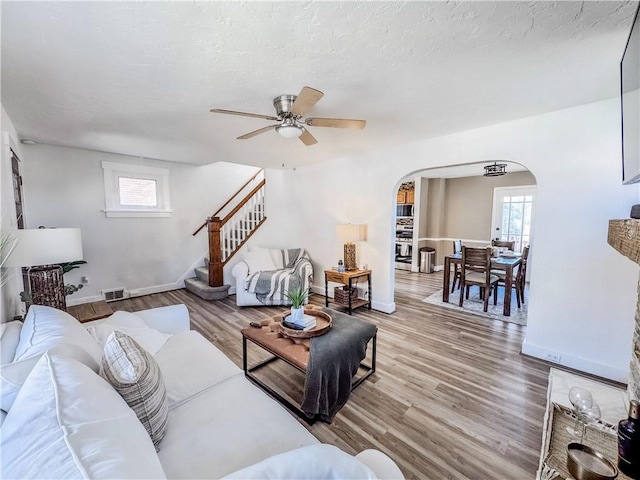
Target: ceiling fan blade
(305, 100)
(257, 132)
(243, 114)
(336, 122)
(307, 138)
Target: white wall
(583, 293)
(9, 298)
(65, 189)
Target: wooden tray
(323, 324)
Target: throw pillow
(259, 261)
(46, 328)
(9, 339)
(148, 338)
(13, 375)
(67, 422)
(307, 463)
(136, 376)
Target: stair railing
(228, 235)
(230, 200)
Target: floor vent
(113, 295)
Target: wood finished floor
(451, 398)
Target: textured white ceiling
(139, 78)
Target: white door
(513, 214)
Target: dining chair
(457, 248)
(520, 279)
(475, 269)
(511, 245)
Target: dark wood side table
(86, 312)
(347, 278)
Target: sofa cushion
(132, 325)
(47, 327)
(137, 378)
(307, 463)
(14, 374)
(67, 422)
(251, 427)
(191, 352)
(259, 261)
(9, 339)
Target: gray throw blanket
(333, 361)
(270, 286)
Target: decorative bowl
(585, 463)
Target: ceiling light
(289, 129)
(495, 170)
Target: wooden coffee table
(294, 352)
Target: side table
(347, 278)
(86, 312)
(613, 403)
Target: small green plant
(297, 296)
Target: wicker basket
(341, 294)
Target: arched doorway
(449, 203)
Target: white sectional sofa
(61, 419)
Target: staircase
(226, 237)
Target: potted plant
(297, 296)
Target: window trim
(113, 208)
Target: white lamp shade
(350, 232)
(45, 246)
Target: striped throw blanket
(270, 286)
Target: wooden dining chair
(520, 279)
(476, 270)
(522, 271)
(511, 245)
(457, 248)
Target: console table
(614, 406)
(347, 278)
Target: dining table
(505, 263)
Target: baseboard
(137, 292)
(575, 363)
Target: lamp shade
(45, 246)
(350, 232)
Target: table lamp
(349, 234)
(40, 249)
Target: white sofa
(284, 263)
(67, 422)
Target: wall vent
(114, 294)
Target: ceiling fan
(290, 110)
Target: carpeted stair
(199, 285)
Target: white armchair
(264, 275)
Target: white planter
(296, 314)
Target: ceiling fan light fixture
(495, 170)
(289, 131)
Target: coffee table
(295, 352)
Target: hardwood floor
(451, 397)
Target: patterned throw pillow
(135, 375)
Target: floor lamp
(40, 250)
(349, 234)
